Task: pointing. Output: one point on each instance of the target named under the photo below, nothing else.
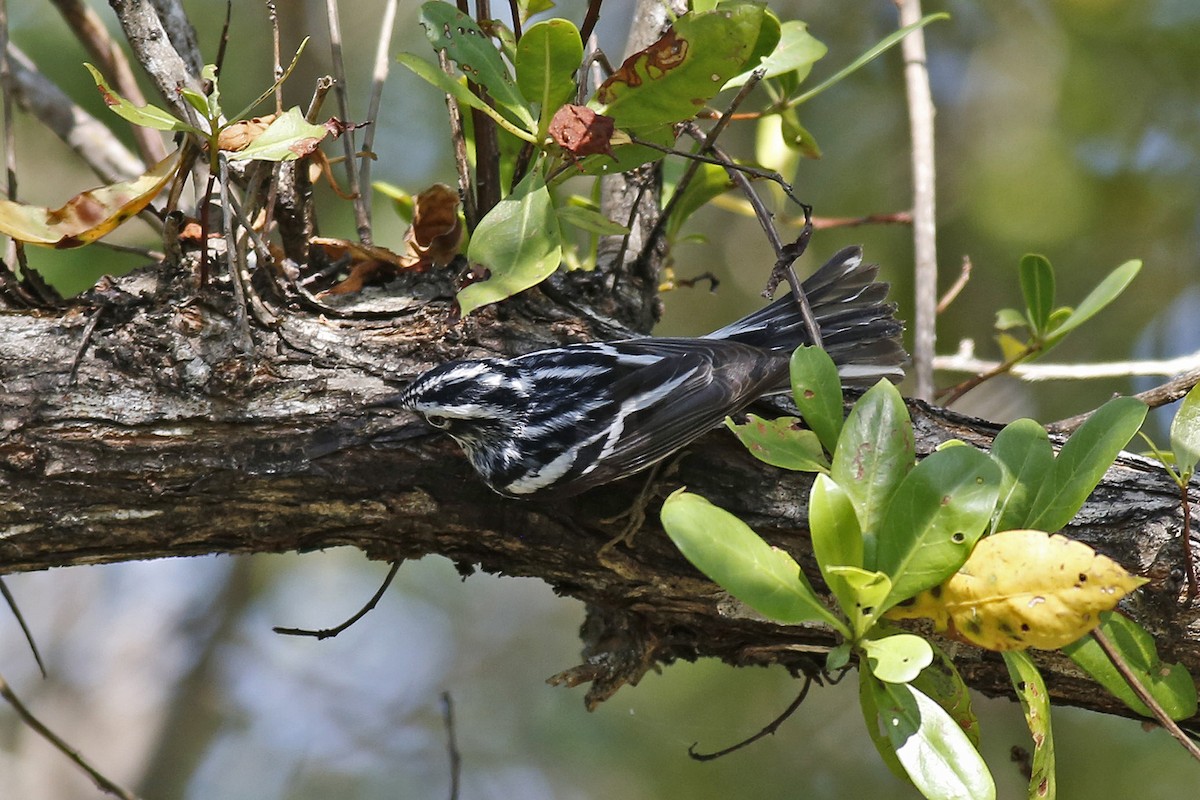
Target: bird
(560, 421)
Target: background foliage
(1065, 126)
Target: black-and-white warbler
(567, 419)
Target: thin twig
(91, 140)
(952, 293)
(16, 611)
(362, 214)
(466, 190)
(1159, 712)
(920, 116)
(707, 142)
(224, 39)
(103, 783)
(276, 55)
(451, 745)
(378, 76)
(326, 633)
(590, 18)
(84, 340)
(771, 727)
(110, 59)
(241, 321)
(1160, 395)
(514, 8)
(1185, 506)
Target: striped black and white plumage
(570, 418)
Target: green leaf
(1083, 460)
(935, 752)
(942, 682)
(1035, 702)
(519, 241)
(709, 181)
(796, 136)
(288, 137)
(1025, 457)
(1108, 290)
(270, 90)
(1169, 684)
(675, 77)
(781, 443)
(1185, 433)
(1037, 285)
(147, 116)
(527, 8)
(898, 658)
(860, 595)
(870, 695)
(836, 537)
(431, 74)
(885, 44)
(589, 220)
(726, 550)
(1009, 318)
(934, 519)
(625, 157)
(837, 657)
(796, 52)
(817, 390)
(874, 453)
(467, 45)
(547, 57)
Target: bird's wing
(665, 405)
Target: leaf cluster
(895, 537)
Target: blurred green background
(1066, 127)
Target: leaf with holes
(469, 47)
(1023, 589)
(1035, 702)
(673, 78)
(934, 519)
(781, 443)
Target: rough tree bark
(138, 423)
(150, 419)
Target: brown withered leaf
(435, 235)
(433, 240)
(581, 132)
(240, 134)
(662, 56)
(88, 215)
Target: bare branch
(110, 60)
(920, 116)
(88, 137)
(155, 51)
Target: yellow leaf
(1023, 589)
(88, 215)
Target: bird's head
(482, 404)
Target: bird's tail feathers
(858, 328)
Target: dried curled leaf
(581, 131)
(1023, 589)
(238, 135)
(88, 215)
(432, 240)
(436, 232)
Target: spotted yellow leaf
(1023, 589)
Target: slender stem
(1168, 392)
(326, 633)
(771, 727)
(378, 76)
(1186, 534)
(1159, 712)
(920, 115)
(466, 189)
(105, 784)
(362, 214)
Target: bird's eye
(437, 421)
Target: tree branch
(174, 441)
